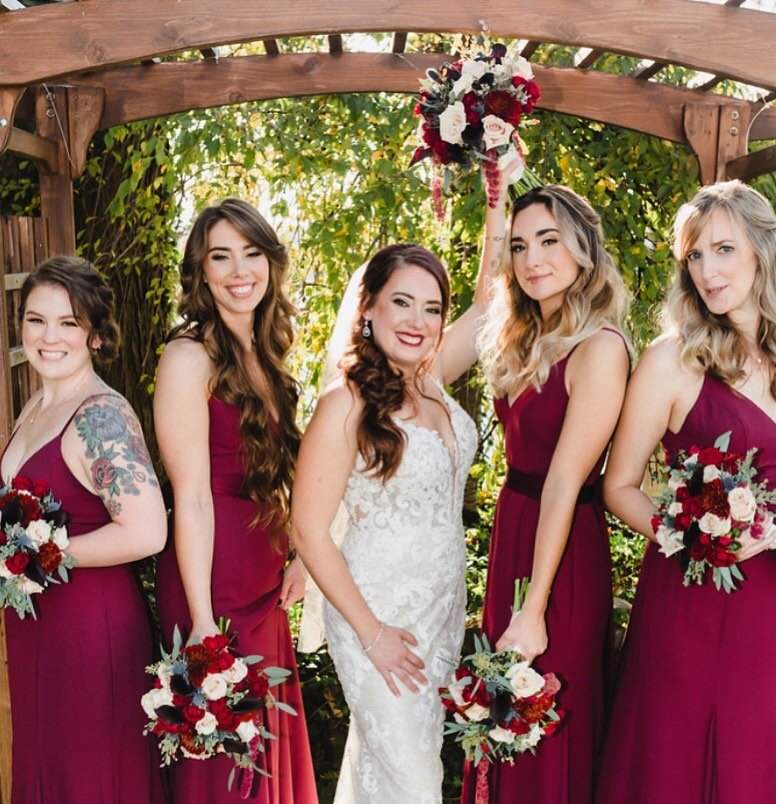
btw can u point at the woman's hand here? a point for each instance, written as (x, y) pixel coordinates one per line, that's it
(751, 547)
(391, 656)
(294, 583)
(526, 633)
(201, 629)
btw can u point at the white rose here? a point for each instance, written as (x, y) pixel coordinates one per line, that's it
(463, 84)
(675, 483)
(164, 674)
(497, 131)
(39, 531)
(502, 735)
(452, 122)
(247, 730)
(476, 712)
(522, 67)
(524, 679)
(236, 672)
(674, 509)
(670, 541)
(4, 571)
(214, 686)
(206, 724)
(710, 473)
(29, 586)
(476, 69)
(533, 736)
(155, 698)
(743, 505)
(59, 537)
(714, 525)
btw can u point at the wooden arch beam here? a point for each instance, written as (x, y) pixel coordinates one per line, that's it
(92, 34)
(140, 92)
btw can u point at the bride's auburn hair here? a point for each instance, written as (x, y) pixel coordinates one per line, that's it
(269, 455)
(365, 367)
(517, 346)
(709, 342)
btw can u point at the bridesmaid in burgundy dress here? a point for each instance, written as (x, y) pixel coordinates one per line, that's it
(225, 410)
(694, 719)
(77, 672)
(558, 365)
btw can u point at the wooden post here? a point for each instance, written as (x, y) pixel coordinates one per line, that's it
(701, 126)
(56, 189)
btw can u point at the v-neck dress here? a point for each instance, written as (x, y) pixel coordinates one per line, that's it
(694, 718)
(77, 672)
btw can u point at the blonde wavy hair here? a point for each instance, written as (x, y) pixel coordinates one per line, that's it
(517, 346)
(709, 342)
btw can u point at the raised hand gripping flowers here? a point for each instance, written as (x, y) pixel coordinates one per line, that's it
(710, 499)
(207, 701)
(470, 110)
(33, 536)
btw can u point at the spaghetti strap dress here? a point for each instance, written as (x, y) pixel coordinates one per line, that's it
(245, 585)
(77, 672)
(694, 717)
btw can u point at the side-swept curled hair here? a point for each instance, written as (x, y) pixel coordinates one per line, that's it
(269, 456)
(381, 387)
(517, 346)
(90, 297)
(711, 342)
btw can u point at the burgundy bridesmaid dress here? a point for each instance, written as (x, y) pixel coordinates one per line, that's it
(579, 610)
(246, 578)
(694, 718)
(78, 671)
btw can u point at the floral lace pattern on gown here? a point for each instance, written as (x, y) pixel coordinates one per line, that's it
(405, 549)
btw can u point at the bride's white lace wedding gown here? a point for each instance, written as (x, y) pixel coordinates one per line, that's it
(405, 548)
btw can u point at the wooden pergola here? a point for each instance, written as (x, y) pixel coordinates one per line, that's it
(69, 69)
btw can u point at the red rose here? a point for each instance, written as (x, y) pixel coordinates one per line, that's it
(192, 713)
(49, 557)
(656, 522)
(720, 556)
(710, 456)
(215, 643)
(180, 701)
(433, 139)
(693, 507)
(682, 521)
(103, 473)
(226, 719)
(40, 488)
(21, 483)
(682, 494)
(701, 549)
(17, 563)
(553, 725)
(530, 89)
(258, 685)
(503, 105)
(471, 104)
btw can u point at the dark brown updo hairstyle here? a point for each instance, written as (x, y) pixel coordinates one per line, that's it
(383, 388)
(270, 453)
(90, 297)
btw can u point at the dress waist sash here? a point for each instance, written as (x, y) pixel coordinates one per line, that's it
(531, 486)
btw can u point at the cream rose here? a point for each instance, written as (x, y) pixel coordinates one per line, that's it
(206, 724)
(247, 730)
(214, 686)
(476, 712)
(463, 84)
(522, 67)
(164, 674)
(39, 532)
(533, 736)
(452, 122)
(155, 698)
(676, 483)
(743, 505)
(236, 672)
(502, 735)
(524, 679)
(710, 473)
(670, 541)
(476, 69)
(496, 131)
(714, 525)
(59, 537)
(29, 586)
(674, 509)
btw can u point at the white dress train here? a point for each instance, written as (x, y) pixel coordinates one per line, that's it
(405, 548)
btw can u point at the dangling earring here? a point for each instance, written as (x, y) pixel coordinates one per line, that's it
(366, 332)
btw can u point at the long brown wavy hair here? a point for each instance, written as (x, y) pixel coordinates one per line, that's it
(711, 342)
(269, 455)
(383, 388)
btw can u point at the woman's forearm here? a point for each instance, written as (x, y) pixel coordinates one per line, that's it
(632, 506)
(194, 540)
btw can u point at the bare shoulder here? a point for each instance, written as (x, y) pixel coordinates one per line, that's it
(663, 359)
(186, 355)
(602, 356)
(340, 401)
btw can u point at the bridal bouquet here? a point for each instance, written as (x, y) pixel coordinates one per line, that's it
(710, 499)
(469, 111)
(207, 701)
(501, 707)
(33, 536)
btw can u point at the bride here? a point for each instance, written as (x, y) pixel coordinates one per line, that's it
(388, 441)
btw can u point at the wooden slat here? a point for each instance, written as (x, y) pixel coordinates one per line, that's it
(16, 356)
(43, 151)
(208, 53)
(172, 87)
(649, 70)
(271, 47)
(763, 124)
(752, 165)
(14, 281)
(588, 61)
(335, 43)
(399, 42)
(86, 36)
(710, 84)
(529, 49)
(9, 103)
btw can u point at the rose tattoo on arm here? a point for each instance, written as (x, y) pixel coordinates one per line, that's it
(115, 447)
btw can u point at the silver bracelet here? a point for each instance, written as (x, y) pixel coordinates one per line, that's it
(374, 642)
(496, 238)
